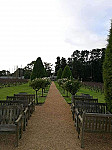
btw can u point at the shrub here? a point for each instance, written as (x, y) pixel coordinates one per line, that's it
(72, 86)
(39, 83)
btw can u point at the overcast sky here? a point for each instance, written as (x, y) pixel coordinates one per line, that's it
(50, 28)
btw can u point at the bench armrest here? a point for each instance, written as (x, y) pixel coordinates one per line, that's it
(19, 118)
(76, 111)
(108, 112)
(30, 104)
(26, 110)
(33, 100)
(80, 118)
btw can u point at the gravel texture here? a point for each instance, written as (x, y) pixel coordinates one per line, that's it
(51, 128)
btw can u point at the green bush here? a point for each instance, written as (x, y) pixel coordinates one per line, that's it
(72, 86)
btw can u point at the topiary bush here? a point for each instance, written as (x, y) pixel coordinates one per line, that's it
(39, 83)
(72, 86)
(38, 69)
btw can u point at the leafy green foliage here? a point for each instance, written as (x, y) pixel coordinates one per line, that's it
(72, 86)
(48, 69)
(80, 91)
(84, 65)
(67, 72)
(107, 72)
(38, 83)
(28, 70)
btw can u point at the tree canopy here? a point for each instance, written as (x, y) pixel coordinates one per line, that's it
(85, 65)
(59, 74)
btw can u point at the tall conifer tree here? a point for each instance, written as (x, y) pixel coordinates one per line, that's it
(107, 72)
(38, 69)
(67, 72)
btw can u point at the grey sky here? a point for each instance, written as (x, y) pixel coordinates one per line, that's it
(50, 28)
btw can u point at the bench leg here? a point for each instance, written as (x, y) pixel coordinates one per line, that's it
(82, 138)
(17, 138)
(20, 131)
(73, 116)
(24, 124)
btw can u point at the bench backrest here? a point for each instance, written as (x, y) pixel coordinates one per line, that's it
(30, 97)
(84, 96)
(81, 100)
(22, 100)
(22, 93)
(94, 122)
(10, 102)
(8, 114)
(91, 107)
(86, 99)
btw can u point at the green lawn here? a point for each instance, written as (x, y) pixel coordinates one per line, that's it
(82, 90)
(10, 91)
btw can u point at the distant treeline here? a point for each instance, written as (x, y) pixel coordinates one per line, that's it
(85, 65)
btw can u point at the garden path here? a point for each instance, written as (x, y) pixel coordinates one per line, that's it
(51, 128)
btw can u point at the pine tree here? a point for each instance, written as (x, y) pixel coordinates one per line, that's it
(38, 69)
(66, 72)
(107, 72)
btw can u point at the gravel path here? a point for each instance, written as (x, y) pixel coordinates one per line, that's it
(51, 128)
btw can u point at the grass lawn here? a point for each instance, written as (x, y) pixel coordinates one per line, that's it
(82, 90)
(10, 91)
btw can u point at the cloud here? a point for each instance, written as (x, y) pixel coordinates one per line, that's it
(47, 29)
(91, 23)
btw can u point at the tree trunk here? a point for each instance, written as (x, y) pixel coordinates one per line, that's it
(42, 92)
(36, 97)
(73, 99)
(67, 93)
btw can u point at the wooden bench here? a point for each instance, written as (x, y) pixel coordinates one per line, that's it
(22, 100)
(16, 103)
(30, 97)
(94, 123)
(26, 108)
(73, 105)
(89, 108)
(11, 121)
(84, 96)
